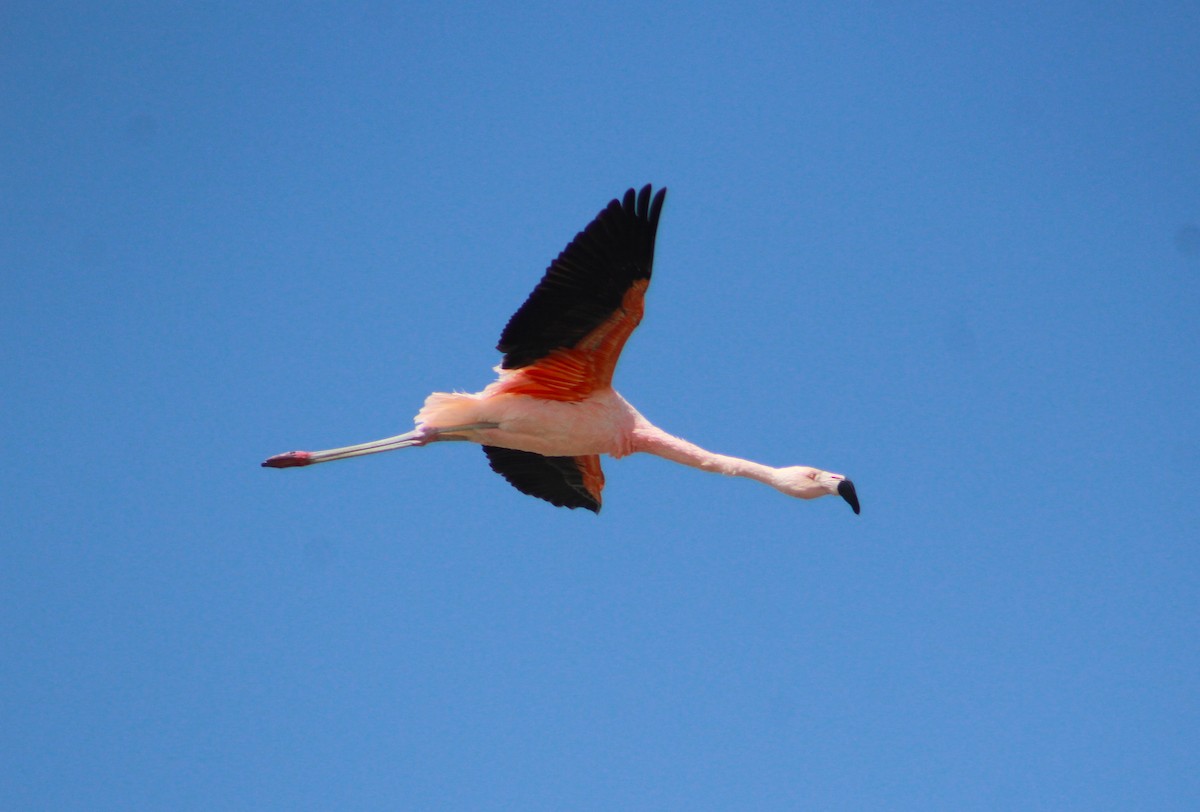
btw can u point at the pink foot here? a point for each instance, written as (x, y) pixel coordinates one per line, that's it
(292, 459)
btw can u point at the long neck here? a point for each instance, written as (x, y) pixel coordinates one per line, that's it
(653, 440)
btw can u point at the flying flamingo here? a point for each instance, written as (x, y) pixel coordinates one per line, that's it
(551, 413)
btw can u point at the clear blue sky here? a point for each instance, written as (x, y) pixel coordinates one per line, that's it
(951, 251)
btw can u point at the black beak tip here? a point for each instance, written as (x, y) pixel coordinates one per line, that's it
(847, 492)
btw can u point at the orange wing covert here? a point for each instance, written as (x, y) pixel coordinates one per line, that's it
(590, 298)
(571, 374)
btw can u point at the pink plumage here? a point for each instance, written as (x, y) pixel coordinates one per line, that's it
(552, 411)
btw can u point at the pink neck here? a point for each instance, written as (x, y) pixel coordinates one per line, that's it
(651, 439)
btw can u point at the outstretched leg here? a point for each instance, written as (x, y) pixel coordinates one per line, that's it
(422, 435)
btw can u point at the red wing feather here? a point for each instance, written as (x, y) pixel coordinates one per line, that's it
(590, 298)
(574, 373)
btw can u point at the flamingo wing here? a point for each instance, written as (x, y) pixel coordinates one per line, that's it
(571, 482)
(570, 331)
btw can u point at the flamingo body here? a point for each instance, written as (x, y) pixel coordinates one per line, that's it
(600, 423)
(552, 411)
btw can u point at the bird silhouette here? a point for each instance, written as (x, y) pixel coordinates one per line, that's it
(552, 411)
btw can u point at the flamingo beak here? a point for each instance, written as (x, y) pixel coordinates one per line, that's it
(846, 491)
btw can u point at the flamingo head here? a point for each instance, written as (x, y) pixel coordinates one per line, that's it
(809, 483)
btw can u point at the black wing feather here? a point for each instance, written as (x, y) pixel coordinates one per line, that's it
(588, 280)
(558, 480)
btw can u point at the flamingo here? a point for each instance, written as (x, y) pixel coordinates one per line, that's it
(552, 411)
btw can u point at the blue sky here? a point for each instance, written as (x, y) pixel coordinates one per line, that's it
(951, 251)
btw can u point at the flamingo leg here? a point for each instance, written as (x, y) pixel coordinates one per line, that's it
(451, 432)
(422, 435)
